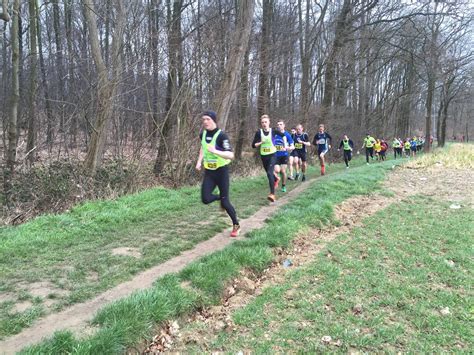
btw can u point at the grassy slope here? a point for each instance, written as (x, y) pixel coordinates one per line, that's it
(382, 289)
(72, 251)
(124, 323)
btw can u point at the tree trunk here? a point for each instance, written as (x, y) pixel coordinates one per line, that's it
(59, 62)
(330, 74)
(262, 100)
(33, 57)
(174, 81)
(236, 59)
(15, 98)
(105, 88)
(71, 79)
(154, 38)
(243, 105)
(44, 82)
(431, 74)
(443, 123)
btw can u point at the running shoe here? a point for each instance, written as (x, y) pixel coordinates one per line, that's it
(291, 178)
(283, 189)
(235, 231)
(303, 178)
(297, 176)
(277, 180)
(271, 198)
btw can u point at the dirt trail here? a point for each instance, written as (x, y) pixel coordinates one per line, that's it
(77, 317)
(437, 181)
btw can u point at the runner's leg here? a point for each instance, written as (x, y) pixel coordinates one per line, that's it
(208, 185)
(268, 162)
(222, 180)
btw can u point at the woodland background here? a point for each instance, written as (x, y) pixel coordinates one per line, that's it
(102, 98)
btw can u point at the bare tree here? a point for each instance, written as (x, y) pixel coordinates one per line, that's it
(106, 87)
(15, 98)
(33, 56)
(227, 92)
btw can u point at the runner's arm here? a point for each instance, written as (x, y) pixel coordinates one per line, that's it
(222, 148)
(306, 140)
(222, 154)
(257, 140)
(199, 162)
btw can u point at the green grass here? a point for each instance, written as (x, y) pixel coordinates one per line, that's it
(72, 251)
(123, 324)
(396, 268)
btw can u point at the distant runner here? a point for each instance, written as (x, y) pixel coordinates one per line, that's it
(397, 148)
(377, 149)
(284, 145)
(413, 147)
(301, 140)
(215, 154)
(406, 146)
(369, 142)
(264, 141)
(322, 140)
(383, 149)
(347, 145)
(294, 160)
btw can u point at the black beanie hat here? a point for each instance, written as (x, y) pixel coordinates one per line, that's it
(211, 114)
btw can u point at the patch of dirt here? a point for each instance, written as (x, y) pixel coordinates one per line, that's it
(44, 288)
(92, 276)
(21, 306)
(126, 251)
(7, 297)
(436, 181)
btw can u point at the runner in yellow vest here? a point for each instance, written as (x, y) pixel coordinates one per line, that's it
(215, 155)
(406, 145)
(377, 148)
(347, 145)
(264, 142)
(397, 147)
(369, 142)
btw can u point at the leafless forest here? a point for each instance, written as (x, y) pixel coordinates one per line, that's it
(94, 91)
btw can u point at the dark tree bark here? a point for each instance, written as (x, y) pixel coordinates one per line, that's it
(33, 57)
(263, 95)
(15, 98)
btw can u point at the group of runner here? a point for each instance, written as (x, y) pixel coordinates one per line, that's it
(277, 149)
(377, 148)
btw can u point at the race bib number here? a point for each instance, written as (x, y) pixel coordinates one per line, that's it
(211, 165)
(298, 145)
(266, 150)
(321, 141)
(280, 148)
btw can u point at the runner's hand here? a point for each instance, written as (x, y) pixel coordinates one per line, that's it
(198, 166)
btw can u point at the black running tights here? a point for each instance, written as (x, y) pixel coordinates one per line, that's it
(219, 178)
